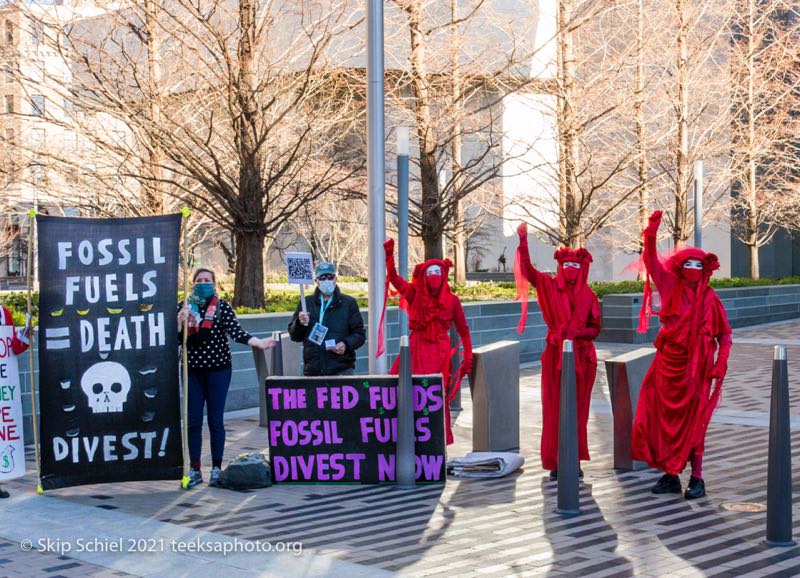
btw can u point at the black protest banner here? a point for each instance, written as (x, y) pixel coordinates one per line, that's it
(108, 354)
(344, 429)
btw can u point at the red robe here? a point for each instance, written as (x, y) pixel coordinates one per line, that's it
(570, 311)
(677, 398)
(19, 343)
(429, 319)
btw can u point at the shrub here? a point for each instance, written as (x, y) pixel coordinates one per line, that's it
(278, 301)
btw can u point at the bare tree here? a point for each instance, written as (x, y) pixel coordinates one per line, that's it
(237, 109)
(766, 95)
(463, 60)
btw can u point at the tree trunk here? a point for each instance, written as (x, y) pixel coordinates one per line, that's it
(751, 192)
(432, 221)
(568, 150)
(680, 230)
(250, 230)
(459, 240)
(644, 195)
(249, 269)
(154, 196)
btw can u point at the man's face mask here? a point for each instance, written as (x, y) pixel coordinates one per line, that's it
(692, 270)
(571, 270)
(434, 278)
(327, 284)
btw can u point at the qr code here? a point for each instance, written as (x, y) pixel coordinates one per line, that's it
(299, 268)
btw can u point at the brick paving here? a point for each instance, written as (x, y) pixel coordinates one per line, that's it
(504, 527)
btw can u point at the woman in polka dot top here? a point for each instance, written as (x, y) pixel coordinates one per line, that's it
(211, 323)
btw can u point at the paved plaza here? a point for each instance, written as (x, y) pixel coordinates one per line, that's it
(505, 527)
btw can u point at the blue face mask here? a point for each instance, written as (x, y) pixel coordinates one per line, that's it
(327, 287)
(204, 290)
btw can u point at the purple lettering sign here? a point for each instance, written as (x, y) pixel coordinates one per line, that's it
(344, 429)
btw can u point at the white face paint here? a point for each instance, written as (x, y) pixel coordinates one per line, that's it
(433, 270)
(693, 264)
(572, 264)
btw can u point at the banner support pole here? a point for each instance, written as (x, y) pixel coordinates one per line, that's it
(184, 354)
(34, 404)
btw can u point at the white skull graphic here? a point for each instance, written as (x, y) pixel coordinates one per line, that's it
(106, 385)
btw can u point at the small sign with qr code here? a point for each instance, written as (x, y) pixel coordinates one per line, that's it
(300, 268)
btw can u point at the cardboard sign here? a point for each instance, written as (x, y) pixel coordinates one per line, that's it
(108, 350)
(344, 429)
(300, 268)
(12, 445)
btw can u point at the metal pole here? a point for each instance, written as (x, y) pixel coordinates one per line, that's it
(402, 213)
(698, 204)
(455, 365)
(375, 176)
(568, 463)
(405, 467)
(779, 474)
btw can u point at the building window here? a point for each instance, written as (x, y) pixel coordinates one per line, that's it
(37, 33)
(37, 139)
(38, 174)
(10, 135)
(8, 104)
(9, 32)
(37, 105)
(8, 75)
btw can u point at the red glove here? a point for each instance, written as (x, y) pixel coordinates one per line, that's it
(466, 366)
(388, 247)
(654, 223)
(568, 333)
(522, 232)
(720, 368)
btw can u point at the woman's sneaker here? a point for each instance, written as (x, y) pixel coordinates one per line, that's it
(668, 484)
(214, 479)
(696, 489)
(195, 478)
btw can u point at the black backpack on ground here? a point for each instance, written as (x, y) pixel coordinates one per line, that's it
(247, 472)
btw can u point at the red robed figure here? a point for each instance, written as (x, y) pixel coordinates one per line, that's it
(432, 308)
(571, 311)
(683, 385)
(20, 342)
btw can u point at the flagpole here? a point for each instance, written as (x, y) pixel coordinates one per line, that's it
(33, 380)
(184, 354)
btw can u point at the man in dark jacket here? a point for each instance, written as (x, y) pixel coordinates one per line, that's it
(331, 330)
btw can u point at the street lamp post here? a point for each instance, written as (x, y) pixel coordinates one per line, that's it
(402, 213)
(698, 204)
(375, 176)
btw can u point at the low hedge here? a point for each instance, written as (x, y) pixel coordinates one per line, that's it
(278, 301)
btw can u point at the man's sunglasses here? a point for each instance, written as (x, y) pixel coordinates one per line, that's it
(326, 277)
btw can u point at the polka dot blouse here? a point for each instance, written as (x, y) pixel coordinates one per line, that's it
(211, 351)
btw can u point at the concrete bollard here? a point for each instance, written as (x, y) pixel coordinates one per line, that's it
(276, 355)
(625, 376)
(262, 373)
(779, 474)
(568, 462)
(405, 468)
(291, 356)
(494, 388)
(267, 363)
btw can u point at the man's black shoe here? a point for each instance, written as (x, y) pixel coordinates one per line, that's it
(554, 474)
(3, 493)
(696, 489)
(668, 484)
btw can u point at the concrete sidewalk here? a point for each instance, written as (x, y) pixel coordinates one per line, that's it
(504, 527)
